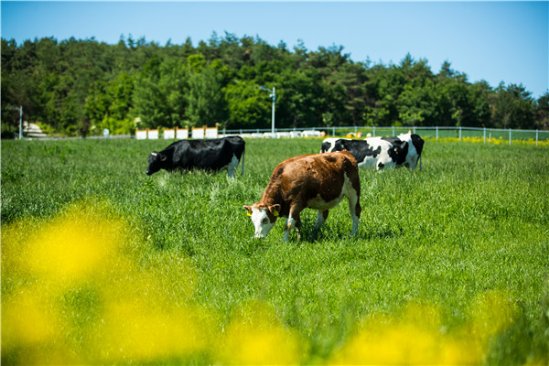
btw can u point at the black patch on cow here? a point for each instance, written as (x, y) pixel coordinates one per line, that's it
(398, 150)
(359, 148)
(325, 147)
(418, 144)
(213, 155)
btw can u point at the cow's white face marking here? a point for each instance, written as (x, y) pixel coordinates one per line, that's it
(261, 221)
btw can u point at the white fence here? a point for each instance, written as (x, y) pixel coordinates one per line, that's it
(177, 133)
(460, 133)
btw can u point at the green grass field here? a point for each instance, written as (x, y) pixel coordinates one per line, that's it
(102, 264)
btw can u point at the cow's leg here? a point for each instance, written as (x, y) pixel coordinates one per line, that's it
(354, 209)
(294, 221)
(232, 166)
(320, 218)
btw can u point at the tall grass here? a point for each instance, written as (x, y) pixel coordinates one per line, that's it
(103, 264)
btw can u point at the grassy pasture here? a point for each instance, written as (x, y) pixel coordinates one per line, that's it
(451, 263)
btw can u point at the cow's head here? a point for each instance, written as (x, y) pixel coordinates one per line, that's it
(156, 162)
(263, 217)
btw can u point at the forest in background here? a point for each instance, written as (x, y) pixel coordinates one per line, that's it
(80, 87)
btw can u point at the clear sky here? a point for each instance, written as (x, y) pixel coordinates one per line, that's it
(493, 41)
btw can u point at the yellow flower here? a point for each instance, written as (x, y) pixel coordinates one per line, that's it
(256, 337)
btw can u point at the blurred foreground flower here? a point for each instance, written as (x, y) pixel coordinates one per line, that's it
(82, 288)
(417, 336)
(256, 337)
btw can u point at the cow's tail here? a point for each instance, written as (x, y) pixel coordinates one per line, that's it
(420, 164)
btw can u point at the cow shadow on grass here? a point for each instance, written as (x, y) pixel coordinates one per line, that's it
(336, 231)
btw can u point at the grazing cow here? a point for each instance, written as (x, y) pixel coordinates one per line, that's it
(414, 148)
(214, 154)
(378, 152)
(309, 181)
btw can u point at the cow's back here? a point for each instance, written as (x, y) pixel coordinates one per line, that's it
(237, 145)
(328, 144)
(202, 154)
(307, 177)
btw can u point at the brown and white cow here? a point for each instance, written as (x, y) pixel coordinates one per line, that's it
(317, 181)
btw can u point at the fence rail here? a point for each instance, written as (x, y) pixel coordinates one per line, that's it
(461, 133)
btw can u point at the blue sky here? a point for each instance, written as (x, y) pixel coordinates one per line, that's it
(493, 41)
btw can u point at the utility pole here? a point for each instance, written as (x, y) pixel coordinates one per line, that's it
(273, 98)
(20, 122)
(20, 109)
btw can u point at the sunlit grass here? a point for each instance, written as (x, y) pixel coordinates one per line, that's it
(103, 265)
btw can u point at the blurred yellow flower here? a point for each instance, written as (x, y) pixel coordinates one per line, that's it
(28, 319)
(138, 307)
(417, 336)
(69, 250)
(256, 337)
(136, 331)
(82, 288)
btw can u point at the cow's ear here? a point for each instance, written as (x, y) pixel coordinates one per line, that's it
(275, 210)
(163, 157)
(248, 210)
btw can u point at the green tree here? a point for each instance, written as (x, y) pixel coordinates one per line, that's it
(205, 98)
(81, 86)
(513, 107)
(479, 97)
(247, 104)
(542, 112)
(385, 84)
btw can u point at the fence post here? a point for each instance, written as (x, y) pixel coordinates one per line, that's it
(394, 133)
(459, 133)
(484, 134)
(510, 136)
(537, 137)
(436, 133)
(374, 131)
(333, 131)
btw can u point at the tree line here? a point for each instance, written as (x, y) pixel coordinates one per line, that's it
(80, 87)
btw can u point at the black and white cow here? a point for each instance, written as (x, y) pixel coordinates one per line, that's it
(414, 149)
(380, 152)
(213, 155)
